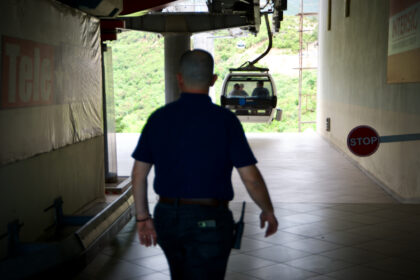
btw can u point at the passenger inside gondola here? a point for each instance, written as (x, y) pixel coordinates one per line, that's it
(260, 91)
(238, 91)
(241, 88)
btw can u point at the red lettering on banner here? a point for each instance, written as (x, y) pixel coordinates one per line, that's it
(27, 73)
(405, 23)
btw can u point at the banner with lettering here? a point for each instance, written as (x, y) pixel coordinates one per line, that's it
(404, 42)
(51, 78)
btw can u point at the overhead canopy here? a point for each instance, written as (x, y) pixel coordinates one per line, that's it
(113, 8)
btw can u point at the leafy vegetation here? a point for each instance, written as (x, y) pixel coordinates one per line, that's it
(138, 62)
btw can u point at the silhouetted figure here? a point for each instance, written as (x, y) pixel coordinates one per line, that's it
(237, 91)
(260, 91)
(194, 145)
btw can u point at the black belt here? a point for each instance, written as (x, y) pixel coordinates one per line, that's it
(194, 201)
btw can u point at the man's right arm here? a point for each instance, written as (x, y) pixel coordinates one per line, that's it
(255, 185)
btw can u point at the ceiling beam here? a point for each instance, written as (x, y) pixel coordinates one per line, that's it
(133, 6)
(185, 22)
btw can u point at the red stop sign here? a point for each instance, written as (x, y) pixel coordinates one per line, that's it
(363, 141)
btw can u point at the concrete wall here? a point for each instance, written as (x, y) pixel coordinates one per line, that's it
(353, 91)
(75, 172)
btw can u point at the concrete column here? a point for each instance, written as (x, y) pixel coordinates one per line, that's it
(175, 45)
(205, 41)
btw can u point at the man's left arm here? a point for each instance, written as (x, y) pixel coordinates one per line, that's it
(145, 227)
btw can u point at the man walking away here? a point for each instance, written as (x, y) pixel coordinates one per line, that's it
(194, 145)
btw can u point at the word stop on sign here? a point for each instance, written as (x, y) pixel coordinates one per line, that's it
(363, 141)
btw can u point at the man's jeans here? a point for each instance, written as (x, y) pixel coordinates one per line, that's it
(195, 239)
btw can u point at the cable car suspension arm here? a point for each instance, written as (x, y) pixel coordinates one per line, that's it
(270, 42)
(250, 65)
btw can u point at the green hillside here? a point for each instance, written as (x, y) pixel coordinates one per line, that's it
(138, 64)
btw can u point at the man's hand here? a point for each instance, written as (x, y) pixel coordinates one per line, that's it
(272, 223)
(254, 183)
(145, 227)
(147, 233)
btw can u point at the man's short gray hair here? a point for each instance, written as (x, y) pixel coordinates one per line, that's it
(196, 68)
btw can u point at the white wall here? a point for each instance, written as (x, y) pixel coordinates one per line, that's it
(353, 91)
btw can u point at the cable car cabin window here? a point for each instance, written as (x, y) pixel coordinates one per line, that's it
(253, 87)
(252, 97)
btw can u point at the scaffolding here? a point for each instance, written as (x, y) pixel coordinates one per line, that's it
(301, 15)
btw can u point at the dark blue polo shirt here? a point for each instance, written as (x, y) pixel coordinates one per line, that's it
(194, 145)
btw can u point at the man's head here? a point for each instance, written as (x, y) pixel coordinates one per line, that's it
(196, 71)
(260, 84)
(236, 87)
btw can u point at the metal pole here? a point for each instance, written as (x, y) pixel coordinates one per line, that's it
(106, 162)
(270, 41)
(300, 65)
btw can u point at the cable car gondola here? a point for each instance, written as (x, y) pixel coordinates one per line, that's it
(251, 96)
(250, 91)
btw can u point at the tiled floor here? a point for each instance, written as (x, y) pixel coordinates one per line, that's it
(331, 242)
(334, 223)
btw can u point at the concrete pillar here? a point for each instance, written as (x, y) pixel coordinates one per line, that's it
(205, 41)
(175, 45)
